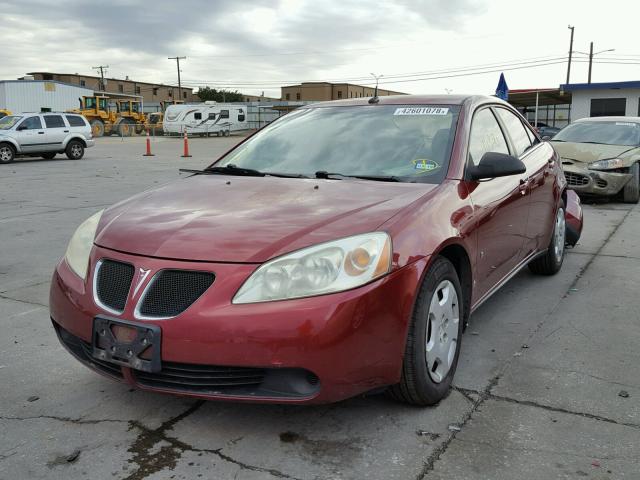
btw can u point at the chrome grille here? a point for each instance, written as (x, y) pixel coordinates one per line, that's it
(112, 283)
(171, 292)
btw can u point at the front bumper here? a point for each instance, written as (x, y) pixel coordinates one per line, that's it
(341, 344)
(90, 142)
(594, 182)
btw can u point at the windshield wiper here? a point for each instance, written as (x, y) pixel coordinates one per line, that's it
(231, 169)
(340, 176)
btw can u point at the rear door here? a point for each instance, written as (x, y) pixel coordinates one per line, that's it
(31, 135)
(56, 132)
(501, 206)
(539, 160)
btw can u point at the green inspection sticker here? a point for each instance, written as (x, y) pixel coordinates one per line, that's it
(425, 165)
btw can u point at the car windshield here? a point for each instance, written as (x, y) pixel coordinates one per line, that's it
(608, 133)
(409, 143)
(9, 121)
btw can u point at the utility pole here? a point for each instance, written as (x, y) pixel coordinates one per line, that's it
(570, 53)
(102, 69)
(177, 59)
(590, 61)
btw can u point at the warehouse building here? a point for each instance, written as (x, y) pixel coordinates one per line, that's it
(602, 99)
(325, 91)
(150, 92)
(39, 96)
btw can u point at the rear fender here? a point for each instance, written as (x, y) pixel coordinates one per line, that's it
(573, 217)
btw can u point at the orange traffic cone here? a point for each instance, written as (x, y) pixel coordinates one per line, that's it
(186, 145)
(148, 154)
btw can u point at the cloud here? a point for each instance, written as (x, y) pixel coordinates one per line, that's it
(222, 40)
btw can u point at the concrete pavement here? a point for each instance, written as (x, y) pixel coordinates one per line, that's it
(548, 384)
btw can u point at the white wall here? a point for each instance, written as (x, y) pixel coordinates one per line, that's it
(33, 96)
(581, 101)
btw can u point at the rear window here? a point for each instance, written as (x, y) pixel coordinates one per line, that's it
(54, 121)
(76, 121)
(197, 116)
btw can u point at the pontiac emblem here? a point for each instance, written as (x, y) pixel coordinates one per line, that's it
(140, 278)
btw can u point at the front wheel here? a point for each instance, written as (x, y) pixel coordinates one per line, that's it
(7, 153)
(551, 262)
(433, 341)
(631, 191)
(75, 150)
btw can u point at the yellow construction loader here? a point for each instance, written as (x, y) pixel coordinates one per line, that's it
(4, 113)
(96, 110)
(130, 118)
(156, 119)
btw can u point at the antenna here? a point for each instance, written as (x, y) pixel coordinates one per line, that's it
(375, 98)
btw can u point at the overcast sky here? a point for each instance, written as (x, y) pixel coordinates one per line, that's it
(257, 46)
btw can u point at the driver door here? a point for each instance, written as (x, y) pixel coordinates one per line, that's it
(500, 205)
(31, 135)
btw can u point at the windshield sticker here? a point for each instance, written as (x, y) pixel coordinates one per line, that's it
(421, 111)
(425, 165)
(626, 124)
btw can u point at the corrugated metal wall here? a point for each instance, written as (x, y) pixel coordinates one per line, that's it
(37, 96)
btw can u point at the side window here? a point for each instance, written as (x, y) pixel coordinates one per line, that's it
(516, 131)
(532, 136)
(54, 121)
(486, 136)
(197, 116)
(212, 116)
(75, 121)
(224, 113)
(32, 123)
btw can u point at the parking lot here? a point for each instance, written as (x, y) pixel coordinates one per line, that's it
(548, 384)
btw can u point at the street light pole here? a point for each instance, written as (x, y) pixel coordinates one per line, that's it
(591, 55)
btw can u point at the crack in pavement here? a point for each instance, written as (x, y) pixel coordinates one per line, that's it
(35, 304)
(167, 456)
(486, 392)
(77, 421)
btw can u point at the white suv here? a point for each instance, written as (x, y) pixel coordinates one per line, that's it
(44, 135)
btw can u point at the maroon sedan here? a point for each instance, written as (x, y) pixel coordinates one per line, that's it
(339, 250)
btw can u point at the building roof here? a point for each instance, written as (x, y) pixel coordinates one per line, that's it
(106, 78)
(526, 97)
(600, 86)
(47, 81)
(299, 85)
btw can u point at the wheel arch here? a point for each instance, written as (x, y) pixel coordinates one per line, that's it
(78, 138)
(457, 254)
(12, 143)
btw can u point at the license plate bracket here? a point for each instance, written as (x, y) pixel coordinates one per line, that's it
(138, 346)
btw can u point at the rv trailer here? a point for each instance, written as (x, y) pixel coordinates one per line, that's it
(208, 118)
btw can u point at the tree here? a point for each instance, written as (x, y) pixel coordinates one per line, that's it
(212, 94)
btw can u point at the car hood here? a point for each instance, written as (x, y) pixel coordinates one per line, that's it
(249, 219)
(590, 152)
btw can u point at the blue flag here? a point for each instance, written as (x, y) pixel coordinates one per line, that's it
(502, 91)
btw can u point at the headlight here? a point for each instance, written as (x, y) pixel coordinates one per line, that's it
(77, 255)
(608, 164)
(325, 268)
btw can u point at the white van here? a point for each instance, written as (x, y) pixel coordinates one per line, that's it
(208, 118)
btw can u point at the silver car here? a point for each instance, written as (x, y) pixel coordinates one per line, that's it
(44, 135)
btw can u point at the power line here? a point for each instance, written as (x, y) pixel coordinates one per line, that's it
(102, 69)
(177, 59)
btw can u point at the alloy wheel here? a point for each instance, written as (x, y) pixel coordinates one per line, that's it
(559, 234)
(5, 154)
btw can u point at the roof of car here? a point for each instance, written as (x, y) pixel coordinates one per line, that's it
(408, 100)
(610, 119)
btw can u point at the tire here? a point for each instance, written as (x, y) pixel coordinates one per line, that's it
(551, 262)
(631, 191)
(7, 153)
(48, 156)
(74, 150)
(425, 379)
(126, 128)
(97, 128)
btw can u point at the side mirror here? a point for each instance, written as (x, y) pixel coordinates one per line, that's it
(493, 164)
(21, 127)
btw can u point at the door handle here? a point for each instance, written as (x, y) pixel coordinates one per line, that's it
(66, 131)
(524, 184)
(40, 133)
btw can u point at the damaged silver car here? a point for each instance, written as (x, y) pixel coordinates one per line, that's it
(601, 156)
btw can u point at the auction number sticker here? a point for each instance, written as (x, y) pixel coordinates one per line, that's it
(421, 111)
